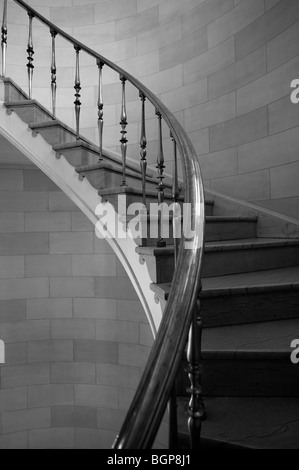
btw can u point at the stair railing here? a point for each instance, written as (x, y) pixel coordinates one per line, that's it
(182, 313)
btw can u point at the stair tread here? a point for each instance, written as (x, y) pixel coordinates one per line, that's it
(251, 242)
(224, 245)
(234, 284)
(265, 423)
(272, 339)
(50, 123)
(22, 103)
(129, 190)
(209, 218)
(131, 170)
(287, 278)
(107, 155)
(229, 218)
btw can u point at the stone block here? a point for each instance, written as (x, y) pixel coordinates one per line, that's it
(73, 373)
(50, 351)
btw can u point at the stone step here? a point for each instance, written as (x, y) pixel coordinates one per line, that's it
(246, 298)
(54, 132)
(134, 195)
(217, 229)
(257, 423)
(227, 257)
(10, 91)
(78, 152)
(207, 444)
(220, 228)
(248, 360)
(104, 175)
(29, 111)
(82, 154)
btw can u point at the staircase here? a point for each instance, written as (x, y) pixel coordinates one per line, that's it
(250, 301)
(249, 298)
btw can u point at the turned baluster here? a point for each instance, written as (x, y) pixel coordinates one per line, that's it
(53, 73)
(143, 145)
(160, 167)
(30, 52)
(77, 88)
(196, 408)
(100, 108)
(4, 38)
(123, 123)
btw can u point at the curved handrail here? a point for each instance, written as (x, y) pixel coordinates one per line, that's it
(148, 406)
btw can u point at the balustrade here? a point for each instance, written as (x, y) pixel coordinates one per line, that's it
(144, 417)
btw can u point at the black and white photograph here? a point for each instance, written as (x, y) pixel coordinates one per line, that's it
(149, 228)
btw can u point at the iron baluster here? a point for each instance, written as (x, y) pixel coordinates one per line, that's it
(53, 73)
(160, 167)
(100, 65)
(4, 38)
(123, 123)
(196, 407)
(30, 52)
(143, 145)
(77, 88)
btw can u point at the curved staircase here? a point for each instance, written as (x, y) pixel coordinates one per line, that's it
(250, 284)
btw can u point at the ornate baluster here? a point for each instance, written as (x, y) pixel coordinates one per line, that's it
(196, 408)
(4, 38)
(30, 52)
(123, 123)
(53, 73)
(160, 166)
(143, 152)
(77, 88)
(100, 108)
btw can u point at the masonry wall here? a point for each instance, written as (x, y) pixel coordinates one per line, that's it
(75, 333)
(223, 66)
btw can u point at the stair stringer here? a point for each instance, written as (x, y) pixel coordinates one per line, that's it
(86, 198)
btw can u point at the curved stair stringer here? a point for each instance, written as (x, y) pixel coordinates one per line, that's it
(86, 198)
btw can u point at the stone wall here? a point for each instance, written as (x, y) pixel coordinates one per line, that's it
(224, 67)
(75, 334)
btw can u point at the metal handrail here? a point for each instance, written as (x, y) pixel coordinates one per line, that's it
(149, 404)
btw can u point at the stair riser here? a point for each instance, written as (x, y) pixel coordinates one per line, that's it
(246, 378)
(250, 308)
(10, 93)
(222, 263)
(219, 231)
(31, 114)
(79, 157)
(249, 260)
(56, 135)
(136, 198)
(107, 178)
